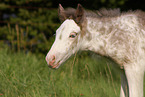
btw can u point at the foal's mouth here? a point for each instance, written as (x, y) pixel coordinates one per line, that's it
(54, 65)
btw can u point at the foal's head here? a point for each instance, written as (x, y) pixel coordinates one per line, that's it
(68, 36)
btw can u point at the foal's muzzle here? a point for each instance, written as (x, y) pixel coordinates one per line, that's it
(52, 62)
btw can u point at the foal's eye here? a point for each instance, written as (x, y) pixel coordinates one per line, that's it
(72, 35)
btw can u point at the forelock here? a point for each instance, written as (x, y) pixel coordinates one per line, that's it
(70, 13)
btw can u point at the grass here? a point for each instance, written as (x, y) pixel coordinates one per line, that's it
(27, 75)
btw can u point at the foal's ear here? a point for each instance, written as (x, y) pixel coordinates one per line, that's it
(61, 13)
(79, 14)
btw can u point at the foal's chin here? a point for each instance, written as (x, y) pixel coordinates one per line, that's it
(55, 66)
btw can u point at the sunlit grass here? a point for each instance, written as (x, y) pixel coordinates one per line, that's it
(26, 75)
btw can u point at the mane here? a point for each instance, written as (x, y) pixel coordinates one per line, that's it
(97, 13)
(139, 14)
(107, 13)
(70, 12)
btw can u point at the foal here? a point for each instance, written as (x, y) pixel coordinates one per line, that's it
(120, 36)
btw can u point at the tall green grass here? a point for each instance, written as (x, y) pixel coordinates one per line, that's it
(27, 75)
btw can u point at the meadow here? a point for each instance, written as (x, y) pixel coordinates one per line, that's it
(28, 75)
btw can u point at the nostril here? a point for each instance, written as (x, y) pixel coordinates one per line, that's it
(53, 58)
(50, 60)
(51, 63)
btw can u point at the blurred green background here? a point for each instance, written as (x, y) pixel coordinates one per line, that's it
(27, 29)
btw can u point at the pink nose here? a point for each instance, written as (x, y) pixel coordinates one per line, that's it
(51, 61)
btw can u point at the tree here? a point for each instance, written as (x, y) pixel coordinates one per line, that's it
(28, 24)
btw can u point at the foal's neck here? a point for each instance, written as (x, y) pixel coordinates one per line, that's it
(97, 33)
(114, 37)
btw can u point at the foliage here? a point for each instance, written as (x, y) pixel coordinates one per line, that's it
(27, 28)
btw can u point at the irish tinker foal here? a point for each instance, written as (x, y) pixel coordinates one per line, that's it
(120, 36)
